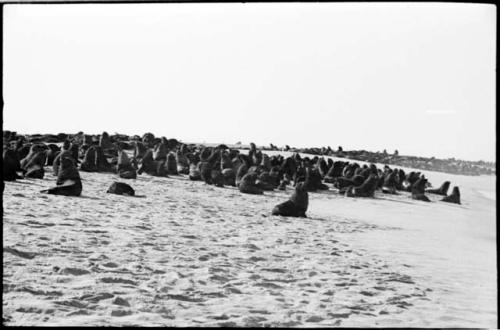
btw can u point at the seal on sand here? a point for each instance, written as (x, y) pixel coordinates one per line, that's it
(124, 166)
(443, 190)
(248, 185)
(454, 197)
(296, 206)
(68, 180)
(120, 188)
(10, 165)
(418, 190)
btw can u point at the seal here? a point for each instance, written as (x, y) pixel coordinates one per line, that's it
(194, 172)
(120, 188)
(160, 150)
(367, 189)
(68, 179)
(34, 167)
(102, 162)
(248, 185)
(140, 150)
(171, 164)
(182, 163)
(418, 190)
(51, 153)
(124, 166)
(390, 183)
(229, 177)
(443, 190)
(264, 182)
(296, 206)
(454, 197)
(312, 181)
(150, 166)
(89, 163)
(11, 165)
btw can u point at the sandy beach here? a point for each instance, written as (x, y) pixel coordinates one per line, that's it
(184, 253)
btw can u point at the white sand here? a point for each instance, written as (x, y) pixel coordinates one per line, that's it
(188, 254)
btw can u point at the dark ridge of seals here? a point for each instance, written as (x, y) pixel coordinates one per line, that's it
(11, 165)
(120, 188)
(89, 163)
(443, 190)
(124, 166)
(68, 180)
(229, 177)
(171, 164)
(248, 185)
(454, 197)
(296, 206)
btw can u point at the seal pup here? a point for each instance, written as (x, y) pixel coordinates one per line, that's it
(443, 190)
(68, 179)
(248, 185)
(296, 206)
(454, 197)
(120, 188)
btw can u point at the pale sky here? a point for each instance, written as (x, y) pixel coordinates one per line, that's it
(419, 78)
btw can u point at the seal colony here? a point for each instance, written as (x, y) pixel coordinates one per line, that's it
(252, 173)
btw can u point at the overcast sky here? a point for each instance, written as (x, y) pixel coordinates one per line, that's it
(419, 78)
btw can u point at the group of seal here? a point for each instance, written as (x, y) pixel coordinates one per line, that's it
(251, 173)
